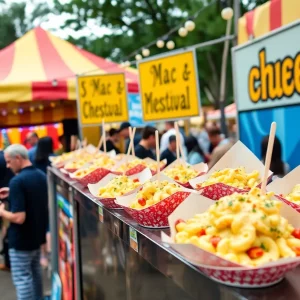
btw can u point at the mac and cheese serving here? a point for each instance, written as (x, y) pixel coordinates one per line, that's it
(294, 196)
(153, 192)
(181, 173)
(118, 186)
(234, 177)
(131, 164)
(244, 228)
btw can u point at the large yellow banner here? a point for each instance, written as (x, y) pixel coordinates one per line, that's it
(102, 97)
(169, 87)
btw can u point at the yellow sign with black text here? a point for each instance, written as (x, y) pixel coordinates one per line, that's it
(102, 97)
(169, 87)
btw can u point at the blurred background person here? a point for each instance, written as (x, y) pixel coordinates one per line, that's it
(112, 140)
(147, 144)
(61, 145)
(170, 153)
(32, 139)
(278, 167)
(195, 154)
(215, 138)
(124, 134)
(44, 150)
(170, 130)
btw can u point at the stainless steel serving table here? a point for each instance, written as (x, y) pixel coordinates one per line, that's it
(107, 266)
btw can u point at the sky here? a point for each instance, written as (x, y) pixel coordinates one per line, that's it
(55, 21)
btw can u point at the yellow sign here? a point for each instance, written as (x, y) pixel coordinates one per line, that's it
(102, 97)
(169, 87)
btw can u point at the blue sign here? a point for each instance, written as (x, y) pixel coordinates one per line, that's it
(135, 111)
(56, 287)
(255, 125)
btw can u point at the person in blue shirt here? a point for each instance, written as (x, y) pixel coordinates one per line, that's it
(28, 215)
(32, 139)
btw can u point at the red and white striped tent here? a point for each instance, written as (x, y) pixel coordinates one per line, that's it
(38, 70)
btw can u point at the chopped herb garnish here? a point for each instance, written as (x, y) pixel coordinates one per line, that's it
(254, 210)
(262, 246)
(230, 203)
(268, 205)
(263, 217)
(258, 195)
(242, 199)
(217, 203)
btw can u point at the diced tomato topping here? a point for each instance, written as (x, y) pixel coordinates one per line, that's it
(215, 241)
(142, 202)
(296, 233)
(201, 232)
(255, 252)
(136, 180)
(296, 250)
(176, 177)
(179, 221)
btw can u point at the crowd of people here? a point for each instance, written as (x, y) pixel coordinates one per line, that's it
(24, 199)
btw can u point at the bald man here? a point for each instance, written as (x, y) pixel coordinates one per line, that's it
(32, 139)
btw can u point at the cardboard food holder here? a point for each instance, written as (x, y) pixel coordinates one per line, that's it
(92, 177)
(238, 156)
(220, 269)
(138, 168)
(283, 186)
(110, 202)
(201, 168)
(155, 216)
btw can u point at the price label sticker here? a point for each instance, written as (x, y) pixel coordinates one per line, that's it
(133, 239)
(101, 215)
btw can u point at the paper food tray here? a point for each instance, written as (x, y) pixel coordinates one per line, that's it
(283, 186)
(110, 202)
(238, 156)
(155, 216)
(220, 269)
(136, 169)
(202, 168)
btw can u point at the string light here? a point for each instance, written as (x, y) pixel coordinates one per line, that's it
(182, 32)
(190, 25)
(14, 111)
(21, 110)
(127, 64)
(52, 104)
(146, 52)
(32, 109)
(138, 57)
(227, 13)
(41, 107)
(170, 45)
(4, 113)
(160, 44)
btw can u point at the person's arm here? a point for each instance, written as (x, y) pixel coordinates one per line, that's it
(17, 218)
(17, 212)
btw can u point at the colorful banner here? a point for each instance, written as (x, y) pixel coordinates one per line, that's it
(267, 89)
(102, 97)
(169, 87)
(268, 72)
(66, 248)
(18, 135)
